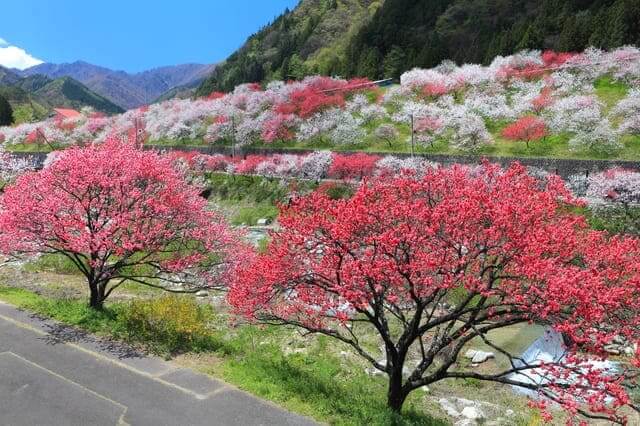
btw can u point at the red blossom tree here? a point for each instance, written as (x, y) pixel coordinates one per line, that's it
(435, 90)
(249, 164)
(552, 58)
(216, 95)
(543, 100)
(428, 264)
(119, 214)
(527, 129)
(352, 166)
(308, 101)
(278, 128)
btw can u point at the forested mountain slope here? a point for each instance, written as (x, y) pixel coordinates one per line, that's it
(379, 39)
(310, 39)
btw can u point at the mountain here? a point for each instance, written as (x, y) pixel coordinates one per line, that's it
(309, 39)
(124, 89)
(35, 96)
(69, 93)
(8, 77)
(380, 39)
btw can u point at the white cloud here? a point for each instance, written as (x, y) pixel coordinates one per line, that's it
(15, 57)
(3, 42)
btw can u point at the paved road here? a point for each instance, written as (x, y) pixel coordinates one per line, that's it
(52, 375)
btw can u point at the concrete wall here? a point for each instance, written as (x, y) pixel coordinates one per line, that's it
(562, 167)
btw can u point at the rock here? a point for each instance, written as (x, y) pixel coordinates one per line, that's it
(344, 354)
(263, 221)
(481, 356)
(619, 340)
(470, 353)
(448, 407)
(472, 413)
(425, 389)
(628, 351)
(509, 413)
(202, 293)
(373, 372)
(612, 349)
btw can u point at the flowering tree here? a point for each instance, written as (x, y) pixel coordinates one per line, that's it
(352, 166)
(428, 264)
(427, 129)
(387, 133)
(527, 129)
(119, 215)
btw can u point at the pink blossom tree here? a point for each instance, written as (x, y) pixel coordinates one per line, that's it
(430, 264)
(120, 215)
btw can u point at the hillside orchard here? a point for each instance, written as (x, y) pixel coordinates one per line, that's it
(461, 108)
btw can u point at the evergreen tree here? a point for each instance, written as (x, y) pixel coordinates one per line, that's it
(6, 112)
(394, 62)
(569, 38)
(297, 69)
(532, 39)
(368, 66)
(599, 36)
(617, 24)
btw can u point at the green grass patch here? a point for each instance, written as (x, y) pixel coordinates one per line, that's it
(69, 311)
(316, 384)
(610, 91)
(249, 215)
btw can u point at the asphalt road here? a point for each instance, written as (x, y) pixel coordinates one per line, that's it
(55, 376)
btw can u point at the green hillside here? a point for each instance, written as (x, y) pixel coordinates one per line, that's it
(69, 93)
(25, 107)
(310, 39)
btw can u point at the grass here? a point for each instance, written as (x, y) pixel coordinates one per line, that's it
(249, 215)
(52, 262)
(245, 199)
(610, 91)
(315, 384)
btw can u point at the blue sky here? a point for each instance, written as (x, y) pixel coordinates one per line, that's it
(131, 35)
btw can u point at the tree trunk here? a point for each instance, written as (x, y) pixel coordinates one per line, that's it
(396, 395)
(96, 295)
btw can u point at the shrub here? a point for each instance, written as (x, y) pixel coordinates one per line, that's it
(167, 324)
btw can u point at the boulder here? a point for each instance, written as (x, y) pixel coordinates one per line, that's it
(263, 221)
(448, 407)
(472, 413)
(612, 349)
(470, 353)
(373, 372)
(481, 356)
(202, 293)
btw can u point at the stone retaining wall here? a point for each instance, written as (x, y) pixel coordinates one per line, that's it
(561, 166)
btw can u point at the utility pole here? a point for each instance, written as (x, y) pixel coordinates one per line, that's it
(233, 136)
(412, 136)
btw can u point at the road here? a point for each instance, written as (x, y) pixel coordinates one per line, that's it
(53, 375)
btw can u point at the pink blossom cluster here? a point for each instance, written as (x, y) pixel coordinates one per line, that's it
(315, 166)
